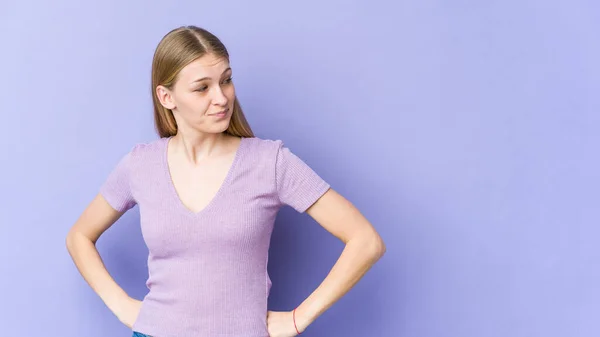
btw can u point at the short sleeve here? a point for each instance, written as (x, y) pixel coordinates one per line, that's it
(298, 185)
(116, 189)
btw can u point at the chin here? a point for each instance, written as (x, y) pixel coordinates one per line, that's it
(222, 127)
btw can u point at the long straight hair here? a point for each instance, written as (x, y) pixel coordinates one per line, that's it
(178, 48)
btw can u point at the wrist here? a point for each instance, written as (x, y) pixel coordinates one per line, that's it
(118, 303)
(302, 319)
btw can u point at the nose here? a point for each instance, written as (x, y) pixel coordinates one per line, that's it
(219, 97)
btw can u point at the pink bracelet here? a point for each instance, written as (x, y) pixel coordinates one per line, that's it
(294, 315)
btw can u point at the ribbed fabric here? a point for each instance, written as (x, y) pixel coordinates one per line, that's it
(207, 271)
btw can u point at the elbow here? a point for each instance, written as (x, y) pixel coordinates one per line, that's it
(379, 248)
(372, 245)
(73, 239)
(375, 244)
(70, 241)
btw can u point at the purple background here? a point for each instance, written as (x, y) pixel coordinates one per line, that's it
(466, 131)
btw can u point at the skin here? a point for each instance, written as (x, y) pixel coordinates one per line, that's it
(199, 154)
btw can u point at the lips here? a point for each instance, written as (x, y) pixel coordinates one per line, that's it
(220, 112)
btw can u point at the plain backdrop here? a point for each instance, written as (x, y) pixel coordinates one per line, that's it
(465, 131)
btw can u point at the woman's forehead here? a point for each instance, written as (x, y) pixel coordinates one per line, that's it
(206, 66)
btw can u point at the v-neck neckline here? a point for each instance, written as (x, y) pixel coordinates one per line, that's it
(215, 197)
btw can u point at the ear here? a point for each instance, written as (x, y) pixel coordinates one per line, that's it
(165, 97)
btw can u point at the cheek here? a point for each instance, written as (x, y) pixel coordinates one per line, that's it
(195, 104)
(229, 91)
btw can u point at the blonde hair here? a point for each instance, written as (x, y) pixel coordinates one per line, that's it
(178, 48)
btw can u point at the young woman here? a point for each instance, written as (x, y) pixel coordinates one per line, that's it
(208, 193)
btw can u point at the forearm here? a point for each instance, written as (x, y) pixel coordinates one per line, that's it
(356, 259)
(89, 263)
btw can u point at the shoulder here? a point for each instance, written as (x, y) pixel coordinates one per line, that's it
(264, 146)
(146, 152)
(149, 147)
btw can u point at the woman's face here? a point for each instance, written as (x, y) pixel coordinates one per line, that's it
(202, 96)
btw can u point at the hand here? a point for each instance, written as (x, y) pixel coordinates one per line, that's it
(128, 311)
(281, 324)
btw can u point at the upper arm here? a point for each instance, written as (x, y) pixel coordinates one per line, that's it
(342, 219)
(96, 218)
(115, 197)
(298, 185)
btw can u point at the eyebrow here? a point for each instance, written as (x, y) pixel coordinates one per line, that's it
(208, 78)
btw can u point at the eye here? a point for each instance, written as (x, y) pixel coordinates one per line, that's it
(202, 89)
(227, 81)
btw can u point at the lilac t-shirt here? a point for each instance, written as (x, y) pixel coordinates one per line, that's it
(208, 270)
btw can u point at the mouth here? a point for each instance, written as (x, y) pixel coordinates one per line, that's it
(221, 113)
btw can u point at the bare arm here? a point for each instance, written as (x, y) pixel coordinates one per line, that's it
(363, 248)
(81, 244)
